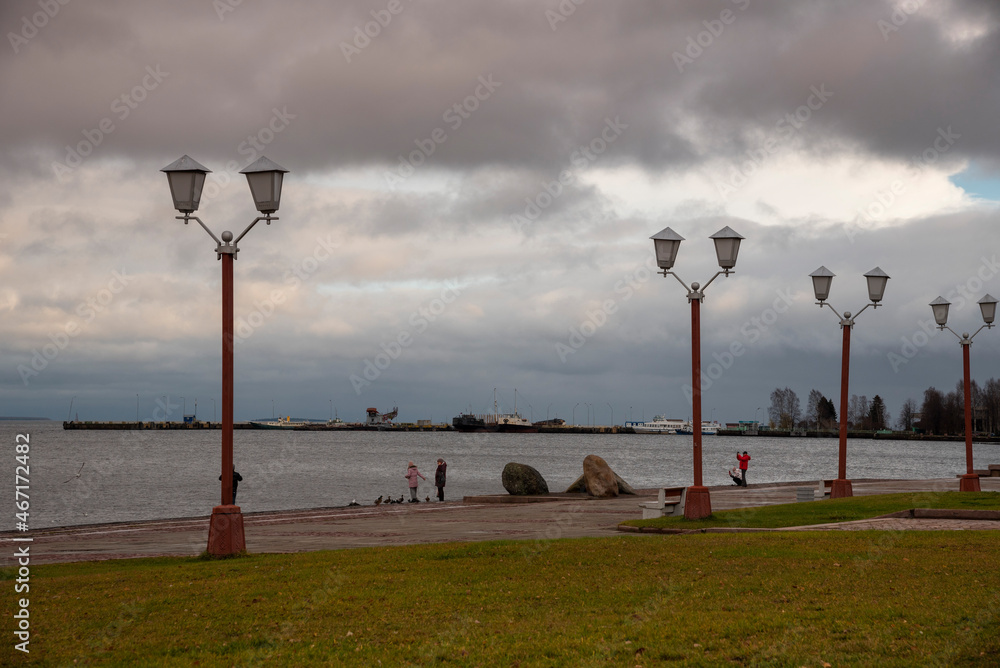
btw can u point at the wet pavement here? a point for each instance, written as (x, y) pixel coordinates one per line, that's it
(475, 519)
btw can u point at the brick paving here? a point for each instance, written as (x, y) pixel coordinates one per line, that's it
(405, 524)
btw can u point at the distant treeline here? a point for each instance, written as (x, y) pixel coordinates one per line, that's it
(940, 413)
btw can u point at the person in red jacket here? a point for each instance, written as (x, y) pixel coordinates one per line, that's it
(744, 463)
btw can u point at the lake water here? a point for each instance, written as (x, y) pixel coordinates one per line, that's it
(136, 475)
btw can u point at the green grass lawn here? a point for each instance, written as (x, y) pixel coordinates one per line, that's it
(829, 510)
(777, 599)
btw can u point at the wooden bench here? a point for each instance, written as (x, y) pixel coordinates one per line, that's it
(662, 507)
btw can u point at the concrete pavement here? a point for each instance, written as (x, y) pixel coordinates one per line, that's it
(480, 518)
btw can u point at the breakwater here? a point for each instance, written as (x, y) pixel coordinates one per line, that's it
(320, 426)
(201, 424)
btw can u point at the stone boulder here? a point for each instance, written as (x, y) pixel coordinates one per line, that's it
(599, 478)
(580, 484)
(522, 480)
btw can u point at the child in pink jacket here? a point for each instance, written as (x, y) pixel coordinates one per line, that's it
(412, 474)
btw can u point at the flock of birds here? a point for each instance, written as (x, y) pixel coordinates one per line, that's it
(385, 498)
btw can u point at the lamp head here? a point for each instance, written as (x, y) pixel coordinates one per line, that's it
(876, 284)
(666, 242)
(988, 305)
(264, 178)
(822, 280)
(727, 247)
(940, 308)
(186, 178)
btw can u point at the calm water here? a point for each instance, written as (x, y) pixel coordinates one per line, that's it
(132, 475)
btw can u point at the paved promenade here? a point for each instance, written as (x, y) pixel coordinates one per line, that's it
(405, 524)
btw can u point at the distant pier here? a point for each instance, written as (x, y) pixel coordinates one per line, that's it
(201, 424)
(321, 426)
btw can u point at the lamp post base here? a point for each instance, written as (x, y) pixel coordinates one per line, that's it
(225, 532)
(841, 488)
(697, 504)
(969, 483)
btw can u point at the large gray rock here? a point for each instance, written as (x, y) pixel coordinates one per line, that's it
(599, 478)
(579, 486)
(521, 480)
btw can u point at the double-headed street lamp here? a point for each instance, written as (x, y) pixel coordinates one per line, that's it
(186, 179)
(988, 305)
(727, 245)
(822, 280)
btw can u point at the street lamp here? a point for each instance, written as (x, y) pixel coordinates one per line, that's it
(186, 179)
(988, 305)
(666, 243)
(822, 279)
(574, 412)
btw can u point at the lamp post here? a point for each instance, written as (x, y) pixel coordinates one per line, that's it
(186, 179)
(612, 416)
(666, 242)
(574, 412)
(822, 279)
(988, 305)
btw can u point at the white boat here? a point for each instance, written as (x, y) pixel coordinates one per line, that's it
(659, 425)
(710, 428)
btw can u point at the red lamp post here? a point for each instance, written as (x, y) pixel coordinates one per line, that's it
(666, 242)
(186, 179)
(822, 280)
(988, 305)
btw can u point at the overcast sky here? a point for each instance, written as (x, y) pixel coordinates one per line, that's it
(471, 191)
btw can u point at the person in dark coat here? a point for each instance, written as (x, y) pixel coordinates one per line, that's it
(439, 478)
(236, 480)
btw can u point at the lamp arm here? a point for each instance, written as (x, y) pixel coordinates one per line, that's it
(670, 273)
(825, 303)
(981, 328)
(717, 274)
(268, 218)
(187, 217)
(943, 327)
(862, 310)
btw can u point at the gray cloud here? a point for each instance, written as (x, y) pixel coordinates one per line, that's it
(356, 255)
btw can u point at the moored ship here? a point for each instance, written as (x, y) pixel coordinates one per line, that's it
(659, 425)
(285, 423)
(494, 422)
